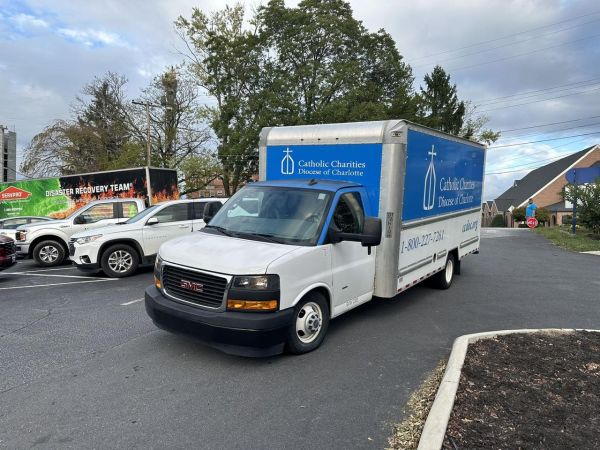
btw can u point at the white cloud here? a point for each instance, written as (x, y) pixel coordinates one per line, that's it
(92, 38)
(27, 21)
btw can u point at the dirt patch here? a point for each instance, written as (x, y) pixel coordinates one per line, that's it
(407, 434)
(529, 391)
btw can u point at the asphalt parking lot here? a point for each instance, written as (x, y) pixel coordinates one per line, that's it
(82, 366)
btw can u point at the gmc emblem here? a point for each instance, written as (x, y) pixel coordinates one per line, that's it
(191, 286)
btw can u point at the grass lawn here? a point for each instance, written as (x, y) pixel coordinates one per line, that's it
(583, 241)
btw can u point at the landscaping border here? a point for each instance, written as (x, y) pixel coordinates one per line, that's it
(434, 430)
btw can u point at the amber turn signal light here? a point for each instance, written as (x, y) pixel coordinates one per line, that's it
(252, 305)
(157, 283)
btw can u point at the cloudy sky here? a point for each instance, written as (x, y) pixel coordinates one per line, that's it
(530, 65)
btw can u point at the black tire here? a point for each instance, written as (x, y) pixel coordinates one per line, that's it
(119, 260)
(298, 340)
(443, 279)
(49, 253)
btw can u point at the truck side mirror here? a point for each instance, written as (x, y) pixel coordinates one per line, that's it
(371, 235)
(210, 209)
(152, 221)
(79, 220)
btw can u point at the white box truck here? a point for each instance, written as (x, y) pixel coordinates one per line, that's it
(343, 213)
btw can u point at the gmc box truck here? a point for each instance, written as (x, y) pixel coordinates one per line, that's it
(343, 213)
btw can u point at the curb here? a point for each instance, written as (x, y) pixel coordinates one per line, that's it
(434, 430)
(593, 252)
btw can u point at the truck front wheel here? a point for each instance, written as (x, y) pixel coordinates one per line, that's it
(311, 320)
(49, 253)
(119, 261)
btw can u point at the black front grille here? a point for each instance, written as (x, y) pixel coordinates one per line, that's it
(179, 282)
(71, 247)
(9, 248)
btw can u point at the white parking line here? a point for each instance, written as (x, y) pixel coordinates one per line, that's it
(48, 270)
(58, 284)
(50, 275)
(132, 302)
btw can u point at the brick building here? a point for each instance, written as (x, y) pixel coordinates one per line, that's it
(489, 210)
(545, 185)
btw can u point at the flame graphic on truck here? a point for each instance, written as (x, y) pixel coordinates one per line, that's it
(430, 182)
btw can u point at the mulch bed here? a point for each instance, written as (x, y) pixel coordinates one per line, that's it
(529, 391)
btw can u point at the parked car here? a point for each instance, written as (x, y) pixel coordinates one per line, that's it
(119, 250)
(8, 227)
(48, 242)
(8, 252)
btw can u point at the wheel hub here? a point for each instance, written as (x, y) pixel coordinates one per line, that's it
(309, 322)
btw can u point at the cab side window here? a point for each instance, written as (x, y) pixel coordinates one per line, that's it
(173, 213)
(130, 209)
(349, 215)
(98, 212)
(199, 210)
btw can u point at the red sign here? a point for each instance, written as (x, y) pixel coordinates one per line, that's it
(532, 222)
(13, 193)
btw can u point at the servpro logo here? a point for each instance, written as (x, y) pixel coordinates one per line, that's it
(13, 193)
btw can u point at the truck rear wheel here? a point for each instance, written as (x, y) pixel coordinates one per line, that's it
(49, 253)
(443, 279)
(119, 261)
(311, 320)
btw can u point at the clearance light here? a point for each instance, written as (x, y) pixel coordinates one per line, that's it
(252, 305)
(157, 283)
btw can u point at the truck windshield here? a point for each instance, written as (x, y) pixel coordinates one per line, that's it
(273, 214)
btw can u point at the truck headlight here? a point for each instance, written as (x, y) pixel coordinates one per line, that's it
(87, 239)
(259, 293)
(256, 282)
(157, 272)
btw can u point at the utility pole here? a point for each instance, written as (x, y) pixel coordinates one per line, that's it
(148, 105)
(2, 128)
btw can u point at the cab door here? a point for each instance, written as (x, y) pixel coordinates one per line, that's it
(353, 268)
(171, 221)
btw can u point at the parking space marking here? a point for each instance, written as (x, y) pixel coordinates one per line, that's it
(48, 270)
(132, 302)
(58, 284)
(50, 275)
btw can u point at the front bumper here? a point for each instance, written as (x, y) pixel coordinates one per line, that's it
(244, 334)
(23, 249)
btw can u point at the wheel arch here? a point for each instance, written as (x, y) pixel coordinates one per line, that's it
(321, 288)
(127, 241)
(48, 237)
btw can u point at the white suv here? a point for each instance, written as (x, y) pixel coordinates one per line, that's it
(120, 249)
(47, 242)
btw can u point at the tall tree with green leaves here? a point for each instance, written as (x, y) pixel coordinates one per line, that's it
(439, 106)
(325, 66)
(226, 57)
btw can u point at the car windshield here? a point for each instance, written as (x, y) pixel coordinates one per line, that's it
(274, 214)
(142, 214)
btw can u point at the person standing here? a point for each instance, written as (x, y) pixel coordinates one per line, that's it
(530, 209)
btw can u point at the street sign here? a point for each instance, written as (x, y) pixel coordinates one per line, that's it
(583, 175)
(532, 222)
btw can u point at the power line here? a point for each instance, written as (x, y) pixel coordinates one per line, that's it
(540, 100)
(542, 140)
(548, 124)
(503, 45)
(454, 69)
(538, 133)
(524, 95)
(510, 35)
(522, 167)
